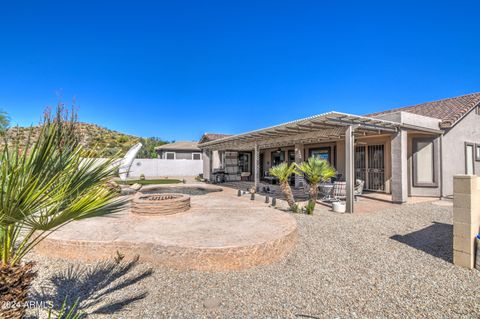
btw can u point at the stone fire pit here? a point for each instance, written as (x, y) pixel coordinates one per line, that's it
(160, 204)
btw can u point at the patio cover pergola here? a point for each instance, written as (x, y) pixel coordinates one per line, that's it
(327, 127)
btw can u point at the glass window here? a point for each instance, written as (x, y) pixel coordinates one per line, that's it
(469, 160)
(291, 156)
(477, 152)
(196, 156)
(244, 162)
(321, 153)
(278, 157)
(170, 155)
(424, 162)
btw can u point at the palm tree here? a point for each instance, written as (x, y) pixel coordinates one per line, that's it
(283, 172)
(314, 171)
(43, 186)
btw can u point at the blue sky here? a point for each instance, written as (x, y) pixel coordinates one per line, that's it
(177, 69)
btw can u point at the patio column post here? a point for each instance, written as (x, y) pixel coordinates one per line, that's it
(399, 186)
(256, 156)
(349, 167)
(207, 164)
(298, 160)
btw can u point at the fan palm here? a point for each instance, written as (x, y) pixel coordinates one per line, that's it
(314, 171)
(283, 172)
(43, 186)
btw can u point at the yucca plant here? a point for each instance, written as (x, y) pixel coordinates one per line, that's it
(314, 171)
(43, 186)
(283, 172)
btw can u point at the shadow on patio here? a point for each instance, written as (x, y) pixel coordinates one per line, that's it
(436, 240)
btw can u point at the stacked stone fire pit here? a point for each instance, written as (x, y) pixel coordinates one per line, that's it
(160, 204)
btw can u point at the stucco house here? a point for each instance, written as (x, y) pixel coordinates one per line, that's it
(409, 151)
(179, 150)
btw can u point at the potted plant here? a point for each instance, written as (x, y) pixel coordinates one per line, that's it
(339, 207)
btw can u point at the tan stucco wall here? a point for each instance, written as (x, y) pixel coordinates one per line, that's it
(467, 130)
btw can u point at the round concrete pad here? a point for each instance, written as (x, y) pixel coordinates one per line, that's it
(221, 231)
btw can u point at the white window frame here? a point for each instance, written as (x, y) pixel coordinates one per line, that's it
(198, 154)
(174, 155)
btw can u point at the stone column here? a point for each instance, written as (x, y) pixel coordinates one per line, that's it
(299, 182)
(256, 156)
(349, 168)
(399, 183)
(466, 219)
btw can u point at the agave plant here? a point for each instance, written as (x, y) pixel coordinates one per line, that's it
(283, 172)
(314, 172)
(43, 186)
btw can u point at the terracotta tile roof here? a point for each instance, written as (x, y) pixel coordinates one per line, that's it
(450, 110)
(208, 137)
(181, 146)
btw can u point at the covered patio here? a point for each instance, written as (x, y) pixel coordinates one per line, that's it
(371, 149)
(369, 202)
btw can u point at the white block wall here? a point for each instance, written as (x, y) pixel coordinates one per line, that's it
(162, 167)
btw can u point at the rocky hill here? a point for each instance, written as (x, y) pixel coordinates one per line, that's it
(100, 140)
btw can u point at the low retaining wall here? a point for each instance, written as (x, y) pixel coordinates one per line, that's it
(466, 219)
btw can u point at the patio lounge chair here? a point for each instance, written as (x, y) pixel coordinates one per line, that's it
(269, 179)
(340, 189)
(359, 184)
(358, 190)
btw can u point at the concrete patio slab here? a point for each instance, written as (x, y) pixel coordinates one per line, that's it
(220, 231)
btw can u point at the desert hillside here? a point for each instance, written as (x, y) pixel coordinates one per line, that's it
(100, 140)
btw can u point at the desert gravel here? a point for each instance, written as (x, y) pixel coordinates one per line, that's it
(390, 264)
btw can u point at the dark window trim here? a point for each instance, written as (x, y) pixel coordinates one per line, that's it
(174, 155)
(277, 152)
(415, 166)
(477, 152)
(473, 155)
(197, 153)
(250, 160)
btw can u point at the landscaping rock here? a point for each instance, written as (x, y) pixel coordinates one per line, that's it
(395, 263)
(136, 187)
(113, 186)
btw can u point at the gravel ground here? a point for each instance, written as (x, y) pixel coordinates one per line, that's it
(390, 264)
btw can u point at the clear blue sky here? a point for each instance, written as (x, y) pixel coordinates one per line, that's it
(177, 69)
